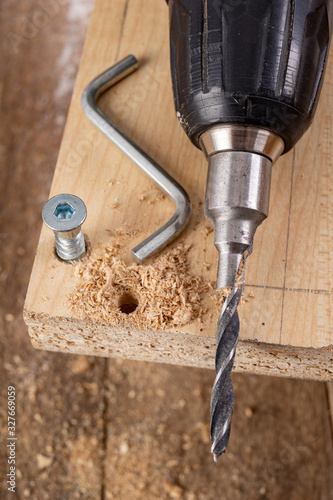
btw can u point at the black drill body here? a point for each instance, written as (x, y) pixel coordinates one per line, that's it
(249, 62)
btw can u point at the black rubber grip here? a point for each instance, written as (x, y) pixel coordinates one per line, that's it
(251, 62)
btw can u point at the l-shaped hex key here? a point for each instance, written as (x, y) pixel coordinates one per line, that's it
(171, 229)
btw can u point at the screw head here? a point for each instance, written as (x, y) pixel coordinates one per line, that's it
(64, 213)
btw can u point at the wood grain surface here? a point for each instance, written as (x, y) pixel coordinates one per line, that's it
(286, 327)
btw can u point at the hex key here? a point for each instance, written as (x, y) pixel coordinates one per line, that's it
(171, 229)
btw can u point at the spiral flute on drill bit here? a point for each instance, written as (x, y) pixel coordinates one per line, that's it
(222, 400)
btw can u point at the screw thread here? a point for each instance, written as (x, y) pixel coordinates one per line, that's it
(71, 249)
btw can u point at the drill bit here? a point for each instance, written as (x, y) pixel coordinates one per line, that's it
(222, 399)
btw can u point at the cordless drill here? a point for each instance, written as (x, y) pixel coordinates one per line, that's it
(246, 76)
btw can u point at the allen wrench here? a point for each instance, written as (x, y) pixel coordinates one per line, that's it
(174, 226)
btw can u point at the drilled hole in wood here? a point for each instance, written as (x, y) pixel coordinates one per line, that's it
(127, 303)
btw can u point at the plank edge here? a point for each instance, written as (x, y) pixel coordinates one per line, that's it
(89, 337)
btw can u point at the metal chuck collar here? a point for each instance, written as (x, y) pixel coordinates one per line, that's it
(64, 214)
(240, 160)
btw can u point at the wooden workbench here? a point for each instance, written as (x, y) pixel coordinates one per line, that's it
(286, 328)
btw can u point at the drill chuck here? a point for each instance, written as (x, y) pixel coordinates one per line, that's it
(238, 187)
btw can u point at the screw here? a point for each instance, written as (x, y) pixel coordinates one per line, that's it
(64, 214)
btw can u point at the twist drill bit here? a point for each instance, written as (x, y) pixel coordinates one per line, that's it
(222, 400)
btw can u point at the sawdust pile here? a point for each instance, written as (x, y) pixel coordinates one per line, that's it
(161, 295)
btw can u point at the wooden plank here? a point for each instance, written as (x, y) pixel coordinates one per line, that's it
(286, 325)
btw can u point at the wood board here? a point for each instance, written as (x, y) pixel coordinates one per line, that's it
(286, 328)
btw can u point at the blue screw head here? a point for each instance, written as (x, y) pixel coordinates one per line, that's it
(64, 213)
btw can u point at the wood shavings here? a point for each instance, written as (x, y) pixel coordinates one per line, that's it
(114, 206)
(220, 295)
(159, 194)
(250, 295)
(160, 295)
(151, 196)
(240, 272)
(207, 230)
(123, 235)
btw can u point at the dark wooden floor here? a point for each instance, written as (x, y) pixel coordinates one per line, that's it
(91, 428)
